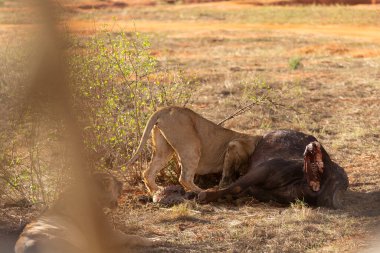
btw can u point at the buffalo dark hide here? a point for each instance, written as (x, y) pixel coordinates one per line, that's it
(276, 172)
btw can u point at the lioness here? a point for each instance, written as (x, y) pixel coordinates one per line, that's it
(75, 225)
(201, 147)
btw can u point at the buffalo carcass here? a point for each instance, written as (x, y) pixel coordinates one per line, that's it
(288, 165)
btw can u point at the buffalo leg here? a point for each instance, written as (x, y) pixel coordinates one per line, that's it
(252, 178)
(283, 195)
(275, 179)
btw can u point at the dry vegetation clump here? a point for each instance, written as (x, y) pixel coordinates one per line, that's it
(27, 137)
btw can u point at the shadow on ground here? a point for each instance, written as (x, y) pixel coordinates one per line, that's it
(8, 238)
(362, 204)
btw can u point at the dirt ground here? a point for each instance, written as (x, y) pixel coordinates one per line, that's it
(226, 45)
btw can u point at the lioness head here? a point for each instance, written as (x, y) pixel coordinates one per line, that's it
(108, 189)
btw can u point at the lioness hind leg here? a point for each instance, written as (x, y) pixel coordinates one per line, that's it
(189, 160)
(187, 145)
(161, 155)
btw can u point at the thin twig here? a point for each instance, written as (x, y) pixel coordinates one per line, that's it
(238, 112)
(290, 108)
(245, 108)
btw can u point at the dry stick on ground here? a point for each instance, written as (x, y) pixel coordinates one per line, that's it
(247, 107)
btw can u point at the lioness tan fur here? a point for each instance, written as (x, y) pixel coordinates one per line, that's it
(201, 147)
(67, 228)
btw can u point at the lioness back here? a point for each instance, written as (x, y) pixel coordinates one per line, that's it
(213, 138)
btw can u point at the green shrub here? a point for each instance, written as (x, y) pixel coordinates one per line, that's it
(295, 63)
(118, 85)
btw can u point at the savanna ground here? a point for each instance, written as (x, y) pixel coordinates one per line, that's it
(323, 64)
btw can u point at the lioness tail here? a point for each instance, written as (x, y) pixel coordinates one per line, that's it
(148, 128)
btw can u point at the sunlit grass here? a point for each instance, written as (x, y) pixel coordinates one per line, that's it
(311, 14)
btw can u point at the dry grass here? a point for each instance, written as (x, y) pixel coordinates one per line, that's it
(336, 91)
